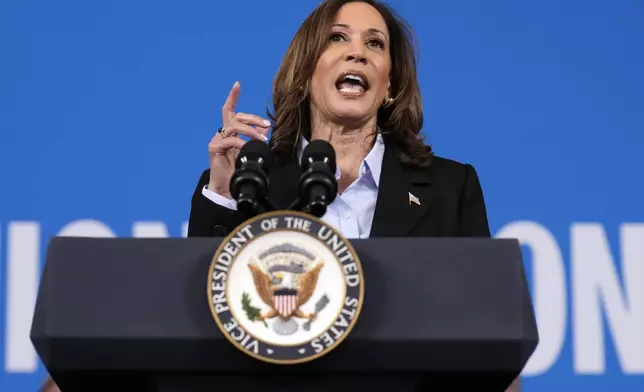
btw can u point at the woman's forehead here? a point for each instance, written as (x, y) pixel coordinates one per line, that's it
(360, 16)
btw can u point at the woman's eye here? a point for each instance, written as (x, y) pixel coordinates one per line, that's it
(336, 37)
(377, 43)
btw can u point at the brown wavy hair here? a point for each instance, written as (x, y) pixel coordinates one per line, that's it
(400, 122)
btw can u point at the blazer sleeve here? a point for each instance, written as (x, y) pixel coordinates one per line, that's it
(474, 223)
(473, 220)
(207, 218)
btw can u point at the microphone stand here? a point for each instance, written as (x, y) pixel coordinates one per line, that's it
(261, 206)
(296, 205)
(299, 205)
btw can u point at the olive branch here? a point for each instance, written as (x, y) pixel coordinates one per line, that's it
(252, 312)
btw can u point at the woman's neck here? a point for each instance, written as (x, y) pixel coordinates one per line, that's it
(351, 145)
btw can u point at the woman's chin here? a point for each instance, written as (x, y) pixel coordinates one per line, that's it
(351, 113)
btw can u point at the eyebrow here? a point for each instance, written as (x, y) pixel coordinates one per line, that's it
(371, 30)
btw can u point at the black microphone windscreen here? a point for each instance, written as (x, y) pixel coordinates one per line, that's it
(255, 150)
(319, 150)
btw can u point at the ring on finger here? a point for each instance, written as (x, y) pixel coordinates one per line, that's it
(222, 132)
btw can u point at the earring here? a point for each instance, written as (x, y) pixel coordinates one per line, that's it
(388, 102)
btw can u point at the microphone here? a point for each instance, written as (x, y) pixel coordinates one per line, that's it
(249, 183)
(318, 186)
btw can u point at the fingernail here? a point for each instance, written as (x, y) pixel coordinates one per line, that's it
(267, 123)
(264, 138)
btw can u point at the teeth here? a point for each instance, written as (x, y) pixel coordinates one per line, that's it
(355, 77)
(353, 90)
(352, 84)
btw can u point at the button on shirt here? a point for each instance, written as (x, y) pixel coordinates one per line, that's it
(351, 213)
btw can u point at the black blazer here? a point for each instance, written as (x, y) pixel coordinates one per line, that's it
(450, 195)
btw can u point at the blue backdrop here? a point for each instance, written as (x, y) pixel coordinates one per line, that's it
(106, 110)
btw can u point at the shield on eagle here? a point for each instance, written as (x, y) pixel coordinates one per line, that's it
(285, 302)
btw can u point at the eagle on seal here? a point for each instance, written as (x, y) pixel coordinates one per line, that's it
(302, 288)
(285, 278)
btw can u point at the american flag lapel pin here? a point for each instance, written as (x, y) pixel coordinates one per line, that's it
(413, 199)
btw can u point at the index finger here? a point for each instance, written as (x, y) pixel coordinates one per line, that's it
(228, 110)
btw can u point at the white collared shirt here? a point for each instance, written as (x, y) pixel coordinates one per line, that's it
(352, 212)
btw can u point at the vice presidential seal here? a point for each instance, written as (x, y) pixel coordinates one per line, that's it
(284, 287)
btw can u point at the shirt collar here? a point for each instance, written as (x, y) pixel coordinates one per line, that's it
(372, 164)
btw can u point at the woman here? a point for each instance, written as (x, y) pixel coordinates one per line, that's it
(348, 77)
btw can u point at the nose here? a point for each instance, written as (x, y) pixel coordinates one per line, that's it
(356, 56)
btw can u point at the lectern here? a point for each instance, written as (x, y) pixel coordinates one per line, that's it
(438, 314)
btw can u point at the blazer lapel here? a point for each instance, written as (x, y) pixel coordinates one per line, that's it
(404, 197)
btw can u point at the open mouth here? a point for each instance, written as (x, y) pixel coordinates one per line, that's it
(352, 82)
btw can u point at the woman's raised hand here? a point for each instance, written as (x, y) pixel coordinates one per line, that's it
(225, 145)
